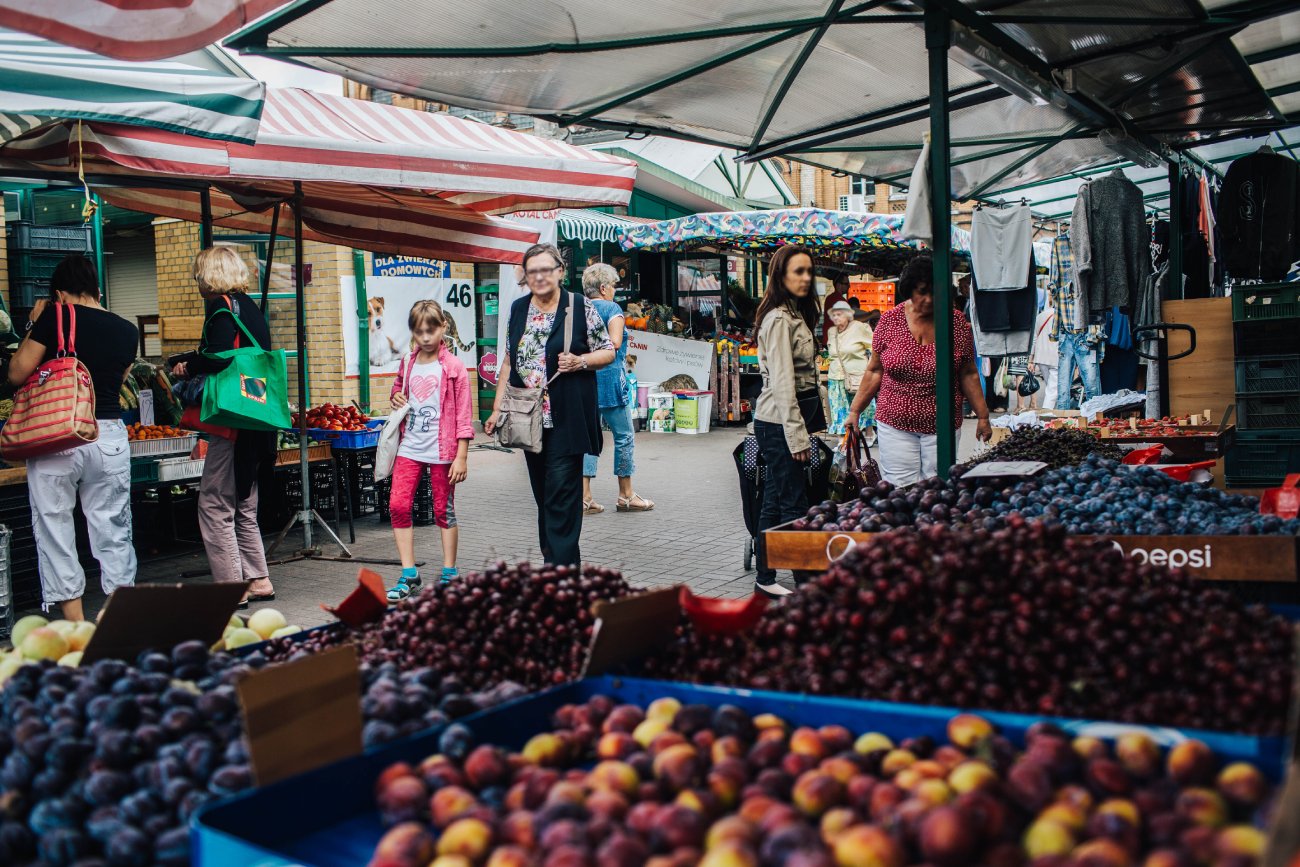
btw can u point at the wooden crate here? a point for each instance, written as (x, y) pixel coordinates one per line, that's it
(1210, 558)
(318, 452)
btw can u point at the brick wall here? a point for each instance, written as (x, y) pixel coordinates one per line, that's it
(4, 266)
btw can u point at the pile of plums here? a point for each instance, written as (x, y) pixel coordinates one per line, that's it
(1056, 447)
(1098, 496)
(672, 785)
(1022, 619)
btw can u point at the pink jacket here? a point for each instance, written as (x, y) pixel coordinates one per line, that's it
(455, 417)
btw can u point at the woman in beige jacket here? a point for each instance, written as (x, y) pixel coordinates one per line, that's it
(848, 344)
(787, 361)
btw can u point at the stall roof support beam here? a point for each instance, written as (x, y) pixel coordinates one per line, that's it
(1278, 53)
(938, 38)
(1013, 167)
(809, 46)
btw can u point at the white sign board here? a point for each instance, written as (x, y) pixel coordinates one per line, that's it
(388, 303)
(658, 357)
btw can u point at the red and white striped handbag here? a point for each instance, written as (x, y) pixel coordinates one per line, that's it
(55, 408)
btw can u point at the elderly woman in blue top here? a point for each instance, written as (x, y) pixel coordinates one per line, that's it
(598, 283)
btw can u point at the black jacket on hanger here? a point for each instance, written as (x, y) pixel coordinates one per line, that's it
(1257, 216)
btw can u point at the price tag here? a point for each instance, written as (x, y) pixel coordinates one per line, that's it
(1133, 423)
(160, 616)
(1002, 469)
(628, 628)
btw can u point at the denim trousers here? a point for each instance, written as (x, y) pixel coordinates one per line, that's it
(785, 492)
(1076, 353)
(619, 421)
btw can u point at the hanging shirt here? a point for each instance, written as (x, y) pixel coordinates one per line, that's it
(1258, 216)
(424, 393)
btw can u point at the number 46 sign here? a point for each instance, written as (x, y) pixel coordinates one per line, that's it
(460, 295)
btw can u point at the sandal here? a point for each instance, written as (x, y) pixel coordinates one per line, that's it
(631, 504)
(403, 589)
(591, 507)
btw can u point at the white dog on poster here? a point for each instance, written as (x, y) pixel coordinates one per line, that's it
(383, 350)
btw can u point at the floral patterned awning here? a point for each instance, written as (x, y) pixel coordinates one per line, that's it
(822, 231)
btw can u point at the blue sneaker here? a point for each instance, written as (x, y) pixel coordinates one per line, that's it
(405, 586)
(449, 574)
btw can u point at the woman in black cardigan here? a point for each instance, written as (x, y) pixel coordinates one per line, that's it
(570, 418)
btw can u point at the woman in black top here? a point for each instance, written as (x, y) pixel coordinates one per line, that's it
(570, 418)
(98, 472)
(228, 491)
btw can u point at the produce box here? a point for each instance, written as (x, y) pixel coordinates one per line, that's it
(1265, 301)
(1192, 443)
(317, 452)
(175, 469)
(1209, 558)
(1263, 458)
(348, 439)
(328, 817)
(165, 446)
(144, 470)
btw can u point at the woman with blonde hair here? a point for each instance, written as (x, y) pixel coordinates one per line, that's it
(228, 490)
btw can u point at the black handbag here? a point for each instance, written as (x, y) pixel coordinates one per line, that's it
(1028, 385)
(810, 408)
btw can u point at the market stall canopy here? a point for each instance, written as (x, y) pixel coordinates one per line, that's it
(839, 84)
(133, 29)
(42, 83)
(374, 176)
(584, 224)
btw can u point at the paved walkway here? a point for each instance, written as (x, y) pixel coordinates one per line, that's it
(695, 534)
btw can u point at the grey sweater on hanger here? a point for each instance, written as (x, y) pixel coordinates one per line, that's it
(1113, 258)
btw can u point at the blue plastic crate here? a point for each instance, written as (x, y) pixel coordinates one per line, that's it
(327, 818)
(351, 439)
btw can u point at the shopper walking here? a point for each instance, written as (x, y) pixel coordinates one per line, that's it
(598, 284)
(901, 372)
(848, 346)
(98, 473)
(839, 293)
(228, 490)
(1046, 354)
(570, 417)
(788, 409)
(435, 435)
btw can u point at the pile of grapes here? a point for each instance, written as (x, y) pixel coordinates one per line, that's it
(1056, 447)
(1021, 619)
(1098, 496)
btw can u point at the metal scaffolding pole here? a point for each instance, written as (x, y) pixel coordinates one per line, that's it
(938, 37)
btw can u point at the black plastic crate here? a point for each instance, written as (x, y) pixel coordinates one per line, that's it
(24, 292)
(67, 239)
(1262, 459)
(1266, 337)
(1268, 374)
(421, 508)
(1269, 411)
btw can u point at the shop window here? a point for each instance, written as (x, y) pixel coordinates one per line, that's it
(857, 186)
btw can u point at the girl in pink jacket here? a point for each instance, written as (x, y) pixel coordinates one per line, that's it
(435, 434)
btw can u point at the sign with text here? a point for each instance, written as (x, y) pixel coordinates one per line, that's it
(655, 358)
(388, 308)
(409, 266)
(487, 368)
(161, 616)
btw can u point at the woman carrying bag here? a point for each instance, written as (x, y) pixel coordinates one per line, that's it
(848, 345)
(228, 490)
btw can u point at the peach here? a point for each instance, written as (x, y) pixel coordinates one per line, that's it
(264, 621)
(63, 627)
(836, 738)
(81, 634)
(1090, 748)
(729, 854)
(872, 742)
(732, 829)
(1122, 808)
(616, 745)
(44, 643)
(727, 747)
(72, 659)
(449, 804)
(949, 757)
(796, 764)
(807, 742)
(966, 730)
(471, 838)
(664, 740)
(700, 801)
(1202, 807)
(518, 829)
(486, 766)
(1076, 796)
(664, 709)
(1066, 814)
(948, 837)
(451, 861)
(753, 809)
(405, 845)
(930, 769)
(816, 792)
(566, 792)
(1100, 853)
(1106, 777)
(1046, 837)
(971, 775)
(608, 804)
(1029, 785)
(765, 721)
(935, 793)
(1190, 763)
(1240, 841)
(1242, 784)
(725, 787)
(774, 734)
(545, 749)
(650, 729)
(677, 827)
(624, 718)
(393, 772)
(508, 856)
(678, 766)
(1165, 858)
(834, 821)
(991, 814)
(885, 798)
(867, 846)
(1139, 754)
(858, 789)
(438, 771)
(896, 760)
(614, 776)
(402, 799)
(840, 768)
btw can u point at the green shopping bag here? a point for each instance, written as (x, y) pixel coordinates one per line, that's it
(252, 393)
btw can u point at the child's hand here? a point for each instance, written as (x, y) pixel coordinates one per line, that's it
(398, 401)
(459, 470)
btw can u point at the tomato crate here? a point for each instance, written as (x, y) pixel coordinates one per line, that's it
(166, 446)
(1266, 411)
(1262, 459)
(1265, 301)
(292, 455)
(1268, 374)
(350, 439)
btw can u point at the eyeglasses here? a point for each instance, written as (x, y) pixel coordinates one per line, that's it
(539, 273)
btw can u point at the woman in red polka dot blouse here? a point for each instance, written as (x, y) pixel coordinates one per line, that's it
(901, 377)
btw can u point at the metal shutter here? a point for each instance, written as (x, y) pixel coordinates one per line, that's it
(133, 279)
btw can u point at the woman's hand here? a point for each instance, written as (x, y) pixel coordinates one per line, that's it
(493, 420)
(851, 422)
(180, 371)
(398, 400)
(803, 456)
(459, 470)
(568, 362)
(983, 430)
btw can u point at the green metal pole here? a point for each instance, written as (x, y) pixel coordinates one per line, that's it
(98, 222)
(938, 37)
(363, 332)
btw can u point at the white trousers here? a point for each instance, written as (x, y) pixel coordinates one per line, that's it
(907, 458)
(1048, 386)
(100, 473)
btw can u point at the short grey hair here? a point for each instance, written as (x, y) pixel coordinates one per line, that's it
(596, 276)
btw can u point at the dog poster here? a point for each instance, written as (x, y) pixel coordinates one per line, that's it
(388, 305)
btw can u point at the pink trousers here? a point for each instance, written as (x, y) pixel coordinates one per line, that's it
(406, 478)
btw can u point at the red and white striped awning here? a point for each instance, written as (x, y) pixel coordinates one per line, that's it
(133, 29)
(377, 177)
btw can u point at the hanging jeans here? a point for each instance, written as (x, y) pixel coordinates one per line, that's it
(785, 489)
(619, 421)
(100, 474)
(1076, 353)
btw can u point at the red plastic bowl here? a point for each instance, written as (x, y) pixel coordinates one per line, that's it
(722, 616)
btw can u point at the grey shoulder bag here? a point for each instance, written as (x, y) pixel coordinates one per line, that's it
(520, 422)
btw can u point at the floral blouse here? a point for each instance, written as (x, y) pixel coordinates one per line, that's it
(532, 348)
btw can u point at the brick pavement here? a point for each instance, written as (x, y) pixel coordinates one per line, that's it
(694, 535)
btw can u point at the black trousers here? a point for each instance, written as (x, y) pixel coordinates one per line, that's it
(557, 488)
(785, 491)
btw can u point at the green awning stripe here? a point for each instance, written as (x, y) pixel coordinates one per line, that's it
(59, 87)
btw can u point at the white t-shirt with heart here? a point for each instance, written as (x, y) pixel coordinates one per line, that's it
(424, 392)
